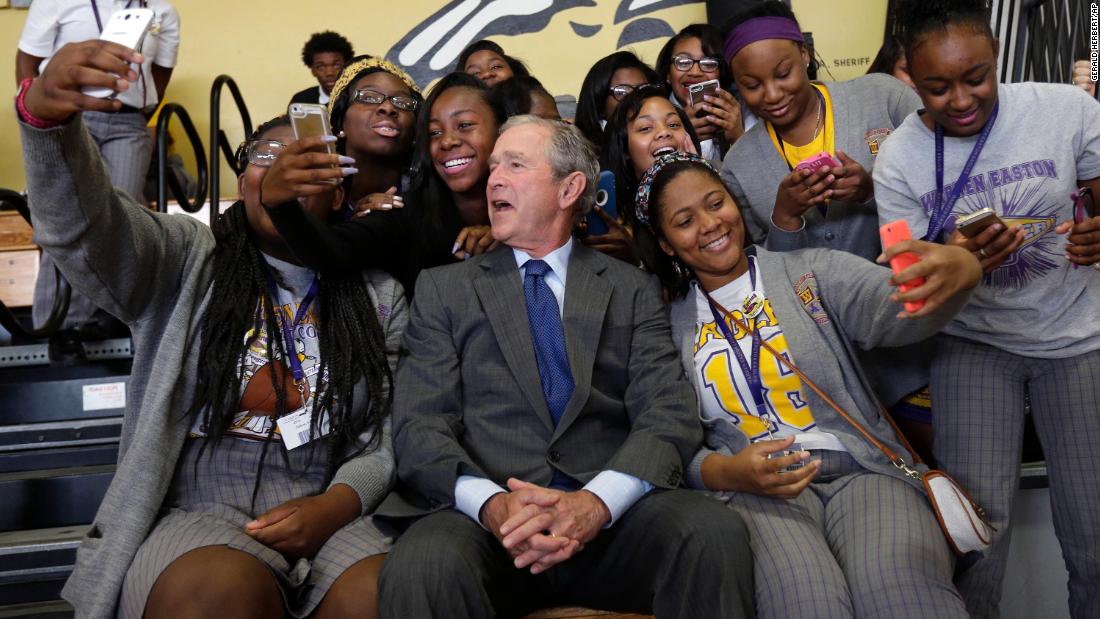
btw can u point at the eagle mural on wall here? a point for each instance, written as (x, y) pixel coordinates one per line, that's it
(430, 49)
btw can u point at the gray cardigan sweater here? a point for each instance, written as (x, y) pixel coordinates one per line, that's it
(154, 272)
(827, 303)
(753, 169)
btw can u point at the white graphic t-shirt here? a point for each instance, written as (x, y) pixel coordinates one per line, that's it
(723, 387)
(255, 416)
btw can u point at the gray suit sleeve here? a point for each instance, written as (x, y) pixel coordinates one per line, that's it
(857, 292)
(117, 252)
(428, 400)
(665, 431)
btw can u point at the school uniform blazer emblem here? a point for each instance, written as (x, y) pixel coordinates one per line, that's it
(806, 289)
(874, 138)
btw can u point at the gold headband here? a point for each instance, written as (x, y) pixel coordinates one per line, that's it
(352, 70)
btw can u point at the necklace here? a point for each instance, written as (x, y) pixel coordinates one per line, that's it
(817, 118)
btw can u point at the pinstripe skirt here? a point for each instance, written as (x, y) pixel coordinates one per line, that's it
(209, 503)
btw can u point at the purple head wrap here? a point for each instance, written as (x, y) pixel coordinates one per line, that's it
(758, 29)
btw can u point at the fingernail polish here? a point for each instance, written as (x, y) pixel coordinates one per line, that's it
(349, 171)
(328, 139)
(345, 160)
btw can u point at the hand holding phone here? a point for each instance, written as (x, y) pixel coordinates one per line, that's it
(126, 27)
(605, 200)
(973, 224)
(696, 92)
(893, 233)
(817, 162)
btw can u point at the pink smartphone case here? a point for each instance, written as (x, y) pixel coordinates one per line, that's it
(818, 161)
(892, 233)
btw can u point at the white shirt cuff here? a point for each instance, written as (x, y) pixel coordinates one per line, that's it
(618, 491)
(471, 493)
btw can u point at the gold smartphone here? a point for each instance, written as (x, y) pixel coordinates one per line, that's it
(971, 225)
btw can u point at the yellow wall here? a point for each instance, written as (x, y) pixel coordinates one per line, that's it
(259, 43)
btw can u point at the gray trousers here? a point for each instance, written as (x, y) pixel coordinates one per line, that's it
(127, 149)
(978, 422)
(853, 544)
(675, 553)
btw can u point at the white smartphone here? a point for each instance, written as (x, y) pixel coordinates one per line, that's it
(126, 27)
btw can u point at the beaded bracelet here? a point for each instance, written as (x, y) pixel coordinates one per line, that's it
(25, 115)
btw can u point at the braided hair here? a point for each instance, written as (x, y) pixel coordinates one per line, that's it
(916, 19)
(351, 343)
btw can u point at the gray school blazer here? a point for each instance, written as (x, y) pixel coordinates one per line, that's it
(828, 303)
(865, 110)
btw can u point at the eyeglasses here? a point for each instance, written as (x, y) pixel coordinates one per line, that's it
(373, 97)
(262, 153)
(1082, 204)
(707, 64)
(621, 90)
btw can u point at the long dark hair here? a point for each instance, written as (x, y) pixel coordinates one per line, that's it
(518, 67)
(674, 275)
(351, 343)
(438, 213)
(710, 39)
(597, 86)
(917, 18)
(615, 148)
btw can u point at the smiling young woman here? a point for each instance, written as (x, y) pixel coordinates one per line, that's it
(446, 217)
(1030, 332)
(836, 529)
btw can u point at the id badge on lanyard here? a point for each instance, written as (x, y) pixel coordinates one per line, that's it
(942, 209)
(294, 427)
(752, 308)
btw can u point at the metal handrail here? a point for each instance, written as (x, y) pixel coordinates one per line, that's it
(219, 142)
(166, 113)
(62, 290)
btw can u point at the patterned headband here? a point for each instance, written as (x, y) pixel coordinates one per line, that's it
(641, 199)
(351, 71)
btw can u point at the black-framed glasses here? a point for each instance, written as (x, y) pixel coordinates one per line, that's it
(373, 97)
(261, 153)
(683, 62)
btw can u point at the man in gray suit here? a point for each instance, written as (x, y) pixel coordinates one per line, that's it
(542, 422)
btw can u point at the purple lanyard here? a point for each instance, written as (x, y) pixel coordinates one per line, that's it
(943, 209)
(751, 373)
(288, 329)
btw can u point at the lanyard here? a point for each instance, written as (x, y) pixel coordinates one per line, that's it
(750, 372)
(942, 209)
(288, 329)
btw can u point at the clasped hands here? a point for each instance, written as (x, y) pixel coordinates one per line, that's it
(541, 527)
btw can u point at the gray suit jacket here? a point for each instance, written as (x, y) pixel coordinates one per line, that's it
(753, 169)
(468, 400)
